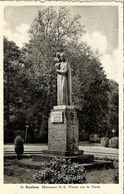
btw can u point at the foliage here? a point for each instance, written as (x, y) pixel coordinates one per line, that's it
(19, 133)
(105, 141)
(90, 88)
(83, 136)
(30, 78)
(113, 114)
(94, 138)
(11, 56)
(61, 171)
(19, 148)
(8, 136)
(21, 106)
(35, 79)
(52, 31)
(114, 160)
(114, 142)
(116, 177)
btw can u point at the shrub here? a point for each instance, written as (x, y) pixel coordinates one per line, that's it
(83, 136)
(105, 141)
(116, 177)
(114, 142)
(61, 171)
(19, 148)
(94, 138)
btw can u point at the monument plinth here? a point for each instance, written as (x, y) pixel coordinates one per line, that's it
(63, 133)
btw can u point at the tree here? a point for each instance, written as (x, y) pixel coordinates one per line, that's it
(18, 96)
(52, 31)
(33, 88)
(49, 32)
(113, 115)
(90, 88)
(11, 54)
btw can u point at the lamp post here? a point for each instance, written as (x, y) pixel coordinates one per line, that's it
(26, 132)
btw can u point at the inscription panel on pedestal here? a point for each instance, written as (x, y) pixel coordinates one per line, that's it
(57, 117)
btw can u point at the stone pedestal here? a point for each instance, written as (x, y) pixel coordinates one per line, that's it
(63, 136)
(63, 132)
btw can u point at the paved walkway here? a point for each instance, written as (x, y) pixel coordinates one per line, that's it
(95, 149)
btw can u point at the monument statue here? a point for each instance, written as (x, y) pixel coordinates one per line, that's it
(63, 80)
(63, 125)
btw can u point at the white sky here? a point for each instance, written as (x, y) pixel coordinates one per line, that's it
(101, 25)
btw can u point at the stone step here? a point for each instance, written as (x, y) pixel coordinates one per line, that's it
(11, 154)
(76, 158)
(96, 164)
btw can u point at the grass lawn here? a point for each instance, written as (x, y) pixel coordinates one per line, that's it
(15, 174)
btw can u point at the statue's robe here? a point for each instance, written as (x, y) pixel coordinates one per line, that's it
(64, 84)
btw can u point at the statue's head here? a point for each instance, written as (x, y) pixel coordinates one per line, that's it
(62, 56)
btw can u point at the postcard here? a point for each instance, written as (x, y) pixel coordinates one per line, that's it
(61, 97)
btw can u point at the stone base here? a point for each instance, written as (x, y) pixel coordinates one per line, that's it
(78, 158)
(63, 132)
(63, 153)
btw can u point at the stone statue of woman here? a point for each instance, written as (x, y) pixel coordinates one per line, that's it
(63, 80)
